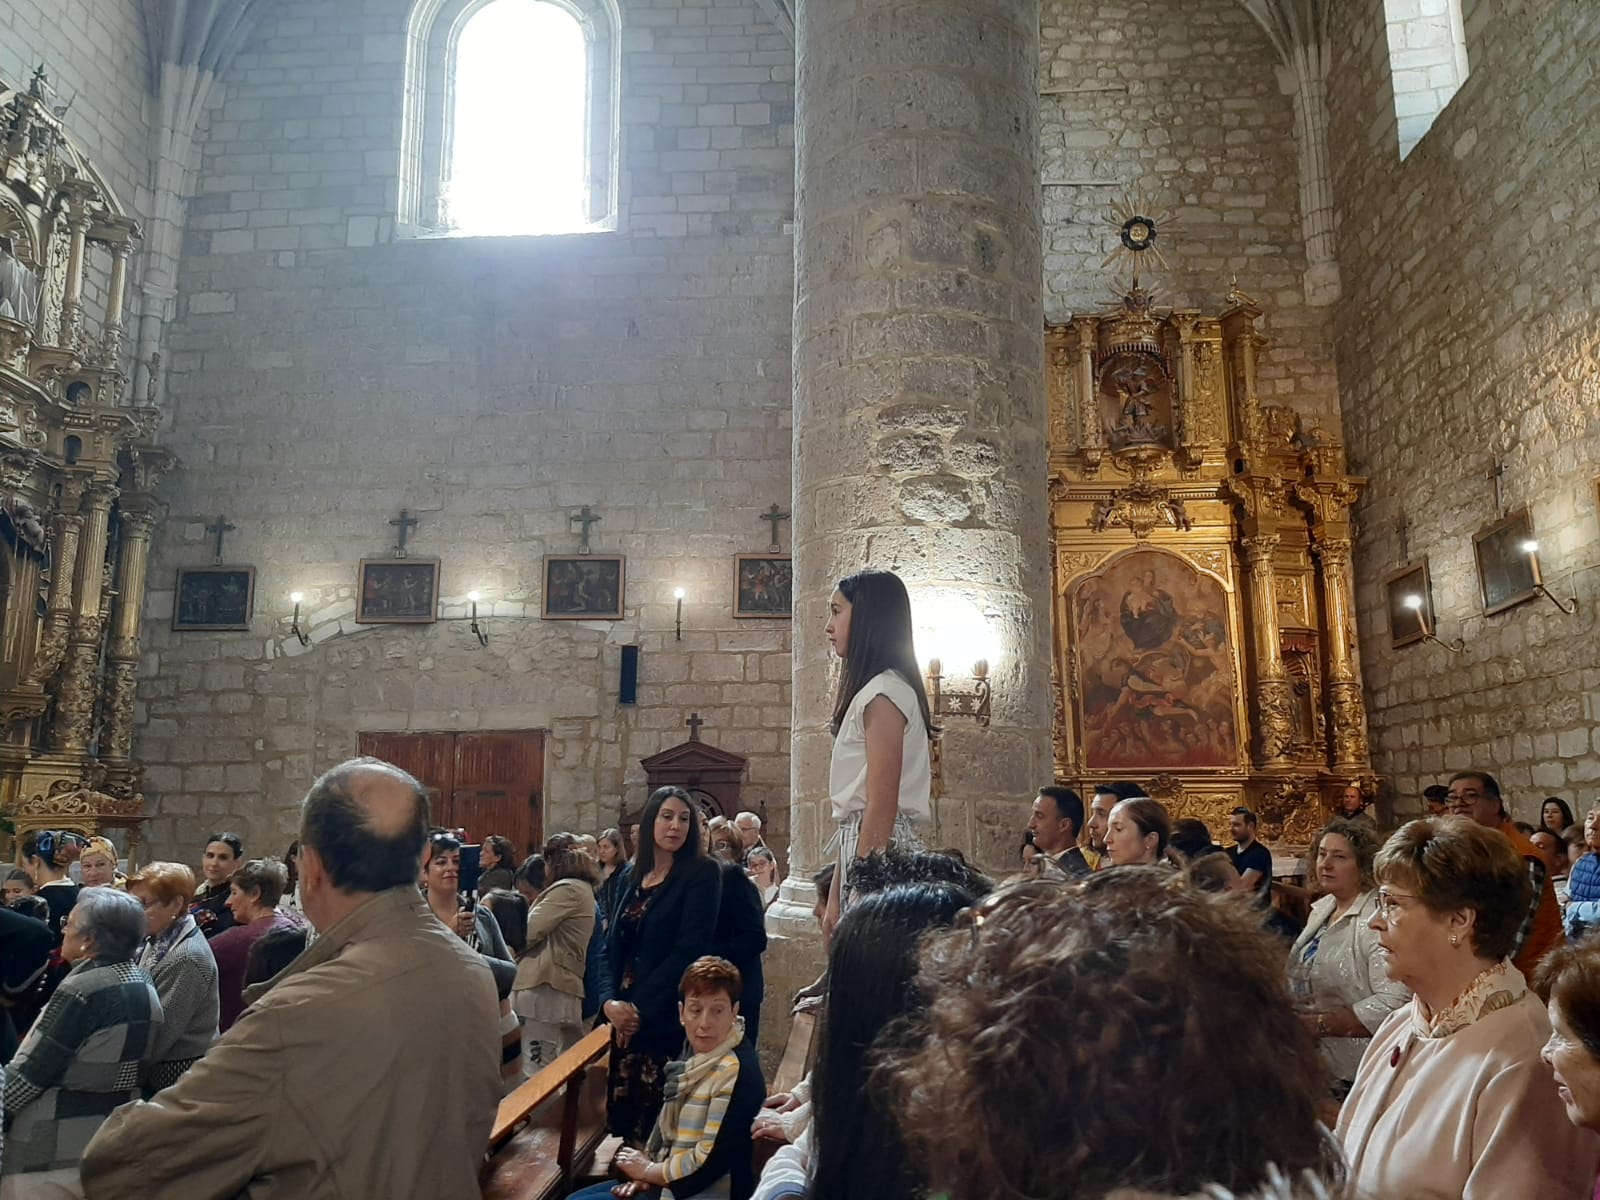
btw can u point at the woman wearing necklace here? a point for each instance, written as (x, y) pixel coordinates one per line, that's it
(1451, 1097)
(1338, 973)
(666, 921)
(880, 778)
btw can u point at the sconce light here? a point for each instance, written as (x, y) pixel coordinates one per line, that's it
(1414, 603)
(477, 631)
(1530, 548)
(946, 702)
(678, 595)
(294, 624)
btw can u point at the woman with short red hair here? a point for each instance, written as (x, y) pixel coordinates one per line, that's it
(179, 961)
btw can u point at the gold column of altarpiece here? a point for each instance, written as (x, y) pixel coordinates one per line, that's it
(77, 472)
(1204, 633)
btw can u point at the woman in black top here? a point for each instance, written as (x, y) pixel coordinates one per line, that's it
(665, 921)
(741, 938)
(46, 855)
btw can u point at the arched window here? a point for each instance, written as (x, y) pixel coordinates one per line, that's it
(510, 120)
(1427, 61)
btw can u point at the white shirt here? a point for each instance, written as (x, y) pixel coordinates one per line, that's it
(847, 774)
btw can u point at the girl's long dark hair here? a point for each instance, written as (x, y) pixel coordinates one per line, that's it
(859, 1153)
(644, 855)
(880, 640)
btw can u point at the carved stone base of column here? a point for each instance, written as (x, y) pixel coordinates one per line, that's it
(1274, 720)
(74, 717)
(1350, 744)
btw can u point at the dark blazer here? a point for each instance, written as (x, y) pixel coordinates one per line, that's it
(678, 928)
(741, 938)
(731, 1154)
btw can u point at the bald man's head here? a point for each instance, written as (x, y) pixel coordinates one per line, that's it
(367, 820)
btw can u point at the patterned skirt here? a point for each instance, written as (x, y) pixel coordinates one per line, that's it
(634, 1092)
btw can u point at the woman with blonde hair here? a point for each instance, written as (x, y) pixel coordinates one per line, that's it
(179, 960)
(97, 865)
(1451, 1097)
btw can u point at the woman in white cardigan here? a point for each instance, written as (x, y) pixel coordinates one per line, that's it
(1338, 972)
(1451, 1097)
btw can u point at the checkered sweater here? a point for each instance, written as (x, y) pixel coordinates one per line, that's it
(79, 1061)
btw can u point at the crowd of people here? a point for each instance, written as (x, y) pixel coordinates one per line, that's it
(1137, 1011)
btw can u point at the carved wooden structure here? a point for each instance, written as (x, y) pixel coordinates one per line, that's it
(1204, 623)
(77, 474)
(711, 775)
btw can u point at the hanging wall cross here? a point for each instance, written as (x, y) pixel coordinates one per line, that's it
(405, 523)
(222, 529)
(1402, 529)
(585, 518)
(694, 722)
(1493, 474)
(775, 516)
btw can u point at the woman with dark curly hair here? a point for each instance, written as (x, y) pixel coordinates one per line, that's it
(1156, 1008)
(1338, 973)
(1451, 1098)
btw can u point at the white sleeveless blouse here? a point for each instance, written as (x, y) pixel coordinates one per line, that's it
(847, 774)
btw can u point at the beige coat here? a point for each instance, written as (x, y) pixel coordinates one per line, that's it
(1471, 1116)
(559, 927)
(371, 1068)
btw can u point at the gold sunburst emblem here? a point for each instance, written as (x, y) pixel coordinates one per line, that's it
(1139, 228)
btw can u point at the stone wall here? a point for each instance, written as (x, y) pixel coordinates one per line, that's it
(94, 53)
(1182, 101)
(1467, 332)
(323, 376)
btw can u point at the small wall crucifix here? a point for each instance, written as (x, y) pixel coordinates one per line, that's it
(1493, 474)
(694, 722)
(1402, 529)
(775, 516)
(222, 529)
(405, 523)
(585, 518)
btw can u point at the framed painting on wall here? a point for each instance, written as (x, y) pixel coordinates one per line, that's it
(215, 598)
(1508, 562)
(584, 587)
(1408, 596)
(763, 586)
(398, 591)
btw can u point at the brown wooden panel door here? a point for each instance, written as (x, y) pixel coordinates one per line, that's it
(431, 757)
(499, 786)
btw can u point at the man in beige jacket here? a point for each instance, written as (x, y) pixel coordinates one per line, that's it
(369, 1067)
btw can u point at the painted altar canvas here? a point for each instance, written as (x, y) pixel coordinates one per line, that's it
(1157, 684)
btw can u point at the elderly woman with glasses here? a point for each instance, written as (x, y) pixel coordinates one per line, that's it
(179, 960)
(83, 1055)
(1338, 973)
(1452, 1098)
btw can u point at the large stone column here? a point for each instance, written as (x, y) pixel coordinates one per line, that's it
(919, 406)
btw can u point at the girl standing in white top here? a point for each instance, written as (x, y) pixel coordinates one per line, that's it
(880, 779)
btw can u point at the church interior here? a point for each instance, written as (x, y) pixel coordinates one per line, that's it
(500, 387)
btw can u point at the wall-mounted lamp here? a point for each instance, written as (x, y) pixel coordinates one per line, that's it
(678, 595)
(294, 624)
(477, 631)
(1414, 603)
(1531, 548)
(946, 702)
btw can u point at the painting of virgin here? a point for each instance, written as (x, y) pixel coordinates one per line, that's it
(1157, 684)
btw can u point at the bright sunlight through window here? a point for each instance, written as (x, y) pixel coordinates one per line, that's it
(517, 150)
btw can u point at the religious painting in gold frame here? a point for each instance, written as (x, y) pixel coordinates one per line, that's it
(1157, 675)
(1409, 623)
(1508, 571)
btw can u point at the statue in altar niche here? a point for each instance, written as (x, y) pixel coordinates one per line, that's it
(19, 287)
(1135, 401)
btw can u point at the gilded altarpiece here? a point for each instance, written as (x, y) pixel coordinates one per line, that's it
(78, 471)
(1203, 609)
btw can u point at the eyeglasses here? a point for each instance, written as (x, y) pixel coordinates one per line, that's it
(1386, 903)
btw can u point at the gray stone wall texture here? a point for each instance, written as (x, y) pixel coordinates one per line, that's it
(94, 53)
(322, 377)
(1182, 101)
(1467, 332)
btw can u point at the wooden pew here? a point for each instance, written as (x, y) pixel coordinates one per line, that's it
(798, 1053)
(536, 1147)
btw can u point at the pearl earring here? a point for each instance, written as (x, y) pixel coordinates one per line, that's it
(1454, 940)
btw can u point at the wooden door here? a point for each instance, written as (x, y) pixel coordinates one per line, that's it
(481, 782)
(498, 786)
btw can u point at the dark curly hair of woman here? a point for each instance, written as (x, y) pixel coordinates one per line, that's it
(1131, 1032)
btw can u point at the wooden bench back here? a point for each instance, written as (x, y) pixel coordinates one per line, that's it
(532, 1154)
